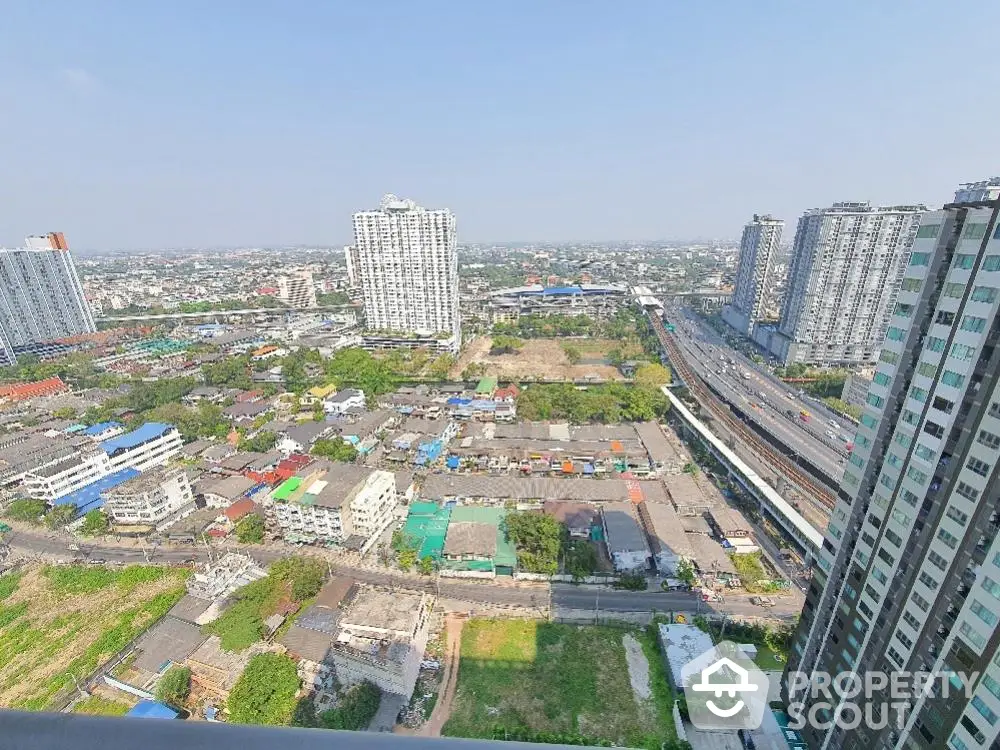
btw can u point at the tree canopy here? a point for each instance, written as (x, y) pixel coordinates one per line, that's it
(175, 685)
(250, 529)
(356, 709)
(60, 515)
(503, 344)
(605, 404)
(537, 538)
(336, 449)
(265, 692)
(358, 368)
(653, 375)
(95, 523)
(27, 509)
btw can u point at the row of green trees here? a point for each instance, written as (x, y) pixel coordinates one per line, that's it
(605, 404)
(34, 511)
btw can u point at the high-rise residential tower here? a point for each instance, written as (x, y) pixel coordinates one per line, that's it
(409, 271)
(759, 245)
(847, 263)
(41, 298)
(908, 578)
(297, 289)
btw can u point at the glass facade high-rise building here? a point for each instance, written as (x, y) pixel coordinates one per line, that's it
(847, 262)
(908, 578)
(41, 298)
(407, 261)
(758, 247)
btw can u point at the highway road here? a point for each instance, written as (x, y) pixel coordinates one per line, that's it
(822, 441)
(556, 598)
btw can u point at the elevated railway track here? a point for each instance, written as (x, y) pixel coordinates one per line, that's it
(781, 463)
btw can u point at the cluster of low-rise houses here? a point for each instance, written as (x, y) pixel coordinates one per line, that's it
(443, 476)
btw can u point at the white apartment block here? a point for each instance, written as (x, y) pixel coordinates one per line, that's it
(150, 499)
(41, 298)
(758, 248)
(344, 504)
(297, 290)
(69, 475)
(152, 444)
(847, 265)
(856, 386)
(908, 578)
(409, 270)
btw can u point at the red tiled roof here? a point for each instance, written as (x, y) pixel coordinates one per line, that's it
(23, 391)
(240, 508)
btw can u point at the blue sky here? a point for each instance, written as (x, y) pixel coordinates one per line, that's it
(145, 125)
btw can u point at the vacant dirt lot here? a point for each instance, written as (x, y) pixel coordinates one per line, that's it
(538, 359)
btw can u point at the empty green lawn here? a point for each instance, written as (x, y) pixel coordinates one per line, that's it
(554, 681)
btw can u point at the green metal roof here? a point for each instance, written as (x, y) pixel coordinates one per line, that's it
(287, 488)
(486, 385)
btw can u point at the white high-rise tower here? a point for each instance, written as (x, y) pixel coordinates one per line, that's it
(759, 245)
(908, 578)
(41, 298)
(847, 265)
(408, 264)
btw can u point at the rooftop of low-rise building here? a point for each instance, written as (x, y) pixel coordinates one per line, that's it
(622, 524)
(147, 481)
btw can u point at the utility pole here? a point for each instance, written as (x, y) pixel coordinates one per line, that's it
(77, 683)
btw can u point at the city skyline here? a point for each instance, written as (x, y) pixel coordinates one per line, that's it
(543, 125)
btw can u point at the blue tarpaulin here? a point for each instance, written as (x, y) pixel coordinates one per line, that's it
(89, 497)
(151, 710)
(588, 468)
(456, 401)
(453, 462)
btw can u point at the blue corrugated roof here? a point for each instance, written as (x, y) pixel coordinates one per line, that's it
(562, 290)
(151, 710)
(100, 427)
(89, 497)
(138, 436)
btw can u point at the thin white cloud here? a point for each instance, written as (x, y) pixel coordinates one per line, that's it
(79, 80)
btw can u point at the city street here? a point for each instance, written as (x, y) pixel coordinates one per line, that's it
(500, 592)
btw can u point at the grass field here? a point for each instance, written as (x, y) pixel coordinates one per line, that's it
(767, 659)
(95, 705)
(70, 619)
(590, 347)
(555, 681)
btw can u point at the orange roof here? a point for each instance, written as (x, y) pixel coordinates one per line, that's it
(634, 490)
(240, 508)
(266, 349)
(617, 447)
(567, 467)
(23, 391)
